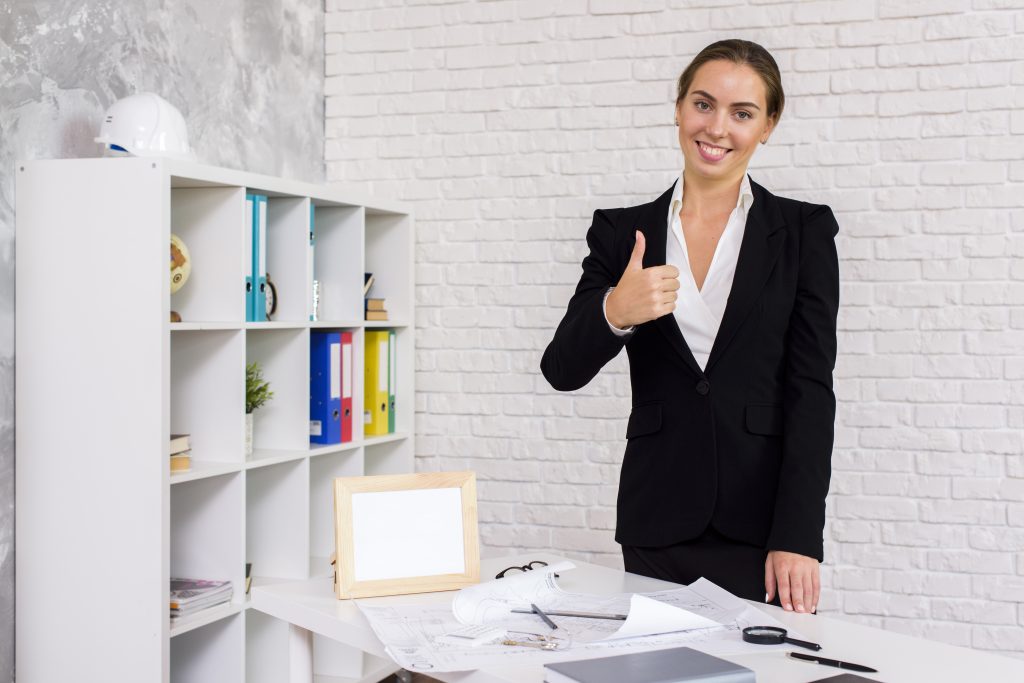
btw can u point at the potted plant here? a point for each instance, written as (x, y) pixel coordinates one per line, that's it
(257, 392)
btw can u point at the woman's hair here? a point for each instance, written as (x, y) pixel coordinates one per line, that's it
(740, 52)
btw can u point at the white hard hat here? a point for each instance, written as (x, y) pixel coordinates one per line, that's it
(145, 125)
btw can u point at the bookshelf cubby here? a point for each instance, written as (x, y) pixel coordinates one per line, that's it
(283, 355)
(266, 652)
(103, 378)
(212, 652)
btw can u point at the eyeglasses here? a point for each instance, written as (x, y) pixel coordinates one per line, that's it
(534, 564)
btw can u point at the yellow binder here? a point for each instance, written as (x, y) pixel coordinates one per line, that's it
(375, 392)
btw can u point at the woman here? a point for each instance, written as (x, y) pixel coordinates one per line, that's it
(725, 298)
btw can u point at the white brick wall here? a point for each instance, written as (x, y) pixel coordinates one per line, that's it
(507, 123)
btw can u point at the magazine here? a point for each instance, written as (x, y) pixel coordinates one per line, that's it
(191, 595)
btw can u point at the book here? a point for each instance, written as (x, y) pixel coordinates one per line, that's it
(248, 577)
(367, 283)
(375, 305)
(180, 443)
(181, 462)
(192, 595)
(674, 665)
(376, 315)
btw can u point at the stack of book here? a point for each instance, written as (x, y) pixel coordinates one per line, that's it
(189, 596)
(181, 447)
(374, 309)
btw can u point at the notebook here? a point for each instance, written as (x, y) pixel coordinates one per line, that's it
(675, 665)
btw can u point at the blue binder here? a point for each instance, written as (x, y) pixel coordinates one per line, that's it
(250, 258)
(324, 387)
(259, 265)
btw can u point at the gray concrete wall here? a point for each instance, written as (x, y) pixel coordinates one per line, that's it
(247, 75)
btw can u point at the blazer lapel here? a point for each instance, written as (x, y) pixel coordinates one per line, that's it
(655, 230)
(760, 248)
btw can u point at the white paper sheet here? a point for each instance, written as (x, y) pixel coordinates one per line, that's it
(712, 619)
(391, 527)
(494, 600)
(649, 617)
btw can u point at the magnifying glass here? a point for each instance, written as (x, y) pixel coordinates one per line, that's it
(771, 635)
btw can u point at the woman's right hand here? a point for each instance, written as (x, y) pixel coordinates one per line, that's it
(642, 294)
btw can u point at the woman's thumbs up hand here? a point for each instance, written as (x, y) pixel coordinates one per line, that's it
(642, 294)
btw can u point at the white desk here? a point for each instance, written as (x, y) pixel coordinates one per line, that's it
(310, 606)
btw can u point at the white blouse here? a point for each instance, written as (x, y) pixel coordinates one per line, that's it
(699, 312)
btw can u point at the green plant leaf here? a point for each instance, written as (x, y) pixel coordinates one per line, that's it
(257, 390)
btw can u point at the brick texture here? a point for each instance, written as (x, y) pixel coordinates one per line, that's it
(507, 123)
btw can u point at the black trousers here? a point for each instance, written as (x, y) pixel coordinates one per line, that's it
(737, 567)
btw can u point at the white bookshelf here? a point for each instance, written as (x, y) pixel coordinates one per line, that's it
(103, 378)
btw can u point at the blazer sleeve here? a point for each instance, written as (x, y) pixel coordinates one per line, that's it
(584, 342)
(809, 400)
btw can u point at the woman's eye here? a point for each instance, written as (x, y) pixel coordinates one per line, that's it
(745, 115)
(701, 104)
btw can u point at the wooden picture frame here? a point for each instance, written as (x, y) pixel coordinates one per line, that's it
(405, 533)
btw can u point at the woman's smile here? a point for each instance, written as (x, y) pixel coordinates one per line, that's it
(710, 152)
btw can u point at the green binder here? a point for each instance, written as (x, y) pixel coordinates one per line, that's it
(392, 379)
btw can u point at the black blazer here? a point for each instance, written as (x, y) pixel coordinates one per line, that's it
(744, 446)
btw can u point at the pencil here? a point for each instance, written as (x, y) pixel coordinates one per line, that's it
(584, 615)
(536, 610)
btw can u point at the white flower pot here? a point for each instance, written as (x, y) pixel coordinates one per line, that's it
(248, 435)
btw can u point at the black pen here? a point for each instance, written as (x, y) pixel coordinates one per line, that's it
(832, 662)
(536, 610)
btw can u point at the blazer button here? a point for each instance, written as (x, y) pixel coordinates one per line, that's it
(703, 387)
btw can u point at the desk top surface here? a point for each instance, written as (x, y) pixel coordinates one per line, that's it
(899, 658)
